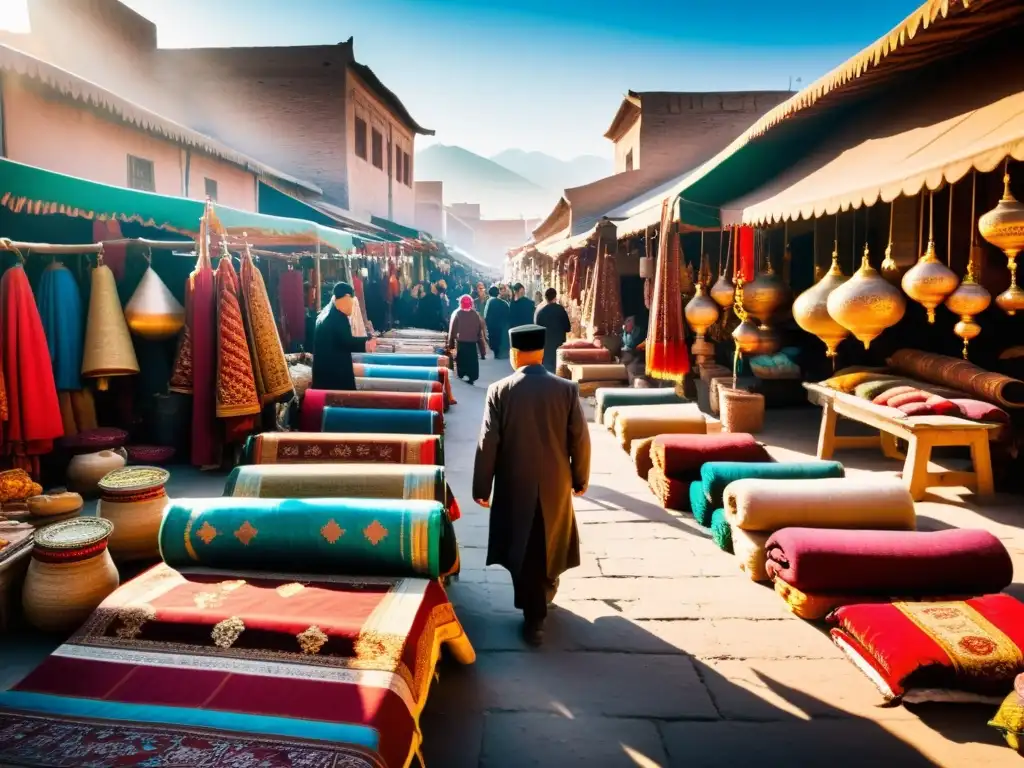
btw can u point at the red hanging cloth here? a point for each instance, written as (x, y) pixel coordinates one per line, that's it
(745, 253)
(667, 356)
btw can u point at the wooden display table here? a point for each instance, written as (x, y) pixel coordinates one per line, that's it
(922, 434)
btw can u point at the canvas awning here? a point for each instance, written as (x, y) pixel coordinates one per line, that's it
(28, 189)
(910, 140)
(558, 244)
(401, 230)
(644, 211)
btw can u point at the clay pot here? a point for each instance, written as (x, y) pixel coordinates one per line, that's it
(86, 470)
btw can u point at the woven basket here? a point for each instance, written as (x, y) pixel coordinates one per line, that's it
(742, 411)
(136, 527)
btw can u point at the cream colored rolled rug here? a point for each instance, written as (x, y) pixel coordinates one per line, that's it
(638, 421)
(749, 548)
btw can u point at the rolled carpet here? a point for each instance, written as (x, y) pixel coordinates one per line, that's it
(319, 447)
(836, 502)
(364, 384)
(610, 396)
(374, 420)
(337, 536)
(721, 531)
(576, 356)
(599, 372)
(368, 371)
(391, 359)
(588, 388)
(640, 453)
(748, 546)
(311, 413)
(345, 481)
(716, 475)
(683, 455)
(671, 494)
(612, 413)
(829, 568)
(684, 418)
(935, 650)
(699, 504)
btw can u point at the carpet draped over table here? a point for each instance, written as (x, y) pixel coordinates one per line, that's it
(31, 420)
(667, 357)
(354, 536)
(238, 668)
(301, 447)
(371, 420)
(311, 414)
(273, 382)
(355, 481)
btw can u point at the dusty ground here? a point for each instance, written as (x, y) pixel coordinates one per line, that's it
(661, 652)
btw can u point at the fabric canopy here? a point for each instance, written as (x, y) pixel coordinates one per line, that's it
(912, 139)
(28, 189)
(400, 229)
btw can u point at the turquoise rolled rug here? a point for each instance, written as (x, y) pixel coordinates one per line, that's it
(390, 420)
(377, 371)
(721, 532)
(699, 504)
(373, 537)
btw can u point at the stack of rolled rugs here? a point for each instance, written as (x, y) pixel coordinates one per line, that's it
(608, 397)
(594, 376)
(379, 370)
(757, 508)
(322, 409)
(579, 352)
(635, 422)
(676, 462)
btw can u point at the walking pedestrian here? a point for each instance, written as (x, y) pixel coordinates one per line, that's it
(496, 316)
(555, 321)
(466, 337)
(521, 309)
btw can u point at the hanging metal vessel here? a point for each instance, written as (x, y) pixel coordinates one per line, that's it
(929, 282)
(866, 304)
(1012, 299)
(810, 310)
(701, 312)
(1003, 226)
(768, 341)
(747, 337)
(153, 312)
(723, 292)
(968, 300)
(764, 295)
(889, 268)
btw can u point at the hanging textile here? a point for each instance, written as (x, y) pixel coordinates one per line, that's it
(273, 382)
(575, 281)
(195, 367)
(667, 357)
(605, 316)
(33, 418)
(60, 309)
(360, 303)
(237, 399)
(745, 253)
(291, 300)
(114, 256)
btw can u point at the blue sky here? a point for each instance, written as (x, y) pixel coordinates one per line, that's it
(542, 75)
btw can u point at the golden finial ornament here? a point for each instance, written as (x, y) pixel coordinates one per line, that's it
(723, 292)
(701, 312)
(768, 340)
(867, 303)
(1003, 227)
(930, 282)
(746, 334)
(970, 298)
(765, 294)
(810, 310)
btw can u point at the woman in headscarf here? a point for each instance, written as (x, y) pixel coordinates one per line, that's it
(466, 337)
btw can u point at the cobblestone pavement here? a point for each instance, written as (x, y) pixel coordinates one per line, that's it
(662, 653)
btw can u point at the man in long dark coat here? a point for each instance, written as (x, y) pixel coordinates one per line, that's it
(522, 308)
(533, 456)
(555, 320)
(496, 317)
(333, 343)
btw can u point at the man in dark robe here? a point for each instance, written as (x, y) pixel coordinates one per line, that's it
(555, 321)
(532, 457)
(333, 343)
(496, 317)
(522, 308)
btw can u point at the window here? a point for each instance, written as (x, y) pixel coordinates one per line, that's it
(406, 169)
(210, 186)
(378, 149)
(360, 138)
(398, 164)
(140, 174)
(629, 160)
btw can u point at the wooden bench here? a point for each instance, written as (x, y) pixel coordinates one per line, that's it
(922, 434)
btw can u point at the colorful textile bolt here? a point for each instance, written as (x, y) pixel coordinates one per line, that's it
(608, 397)
(372, 420)
(682, 456)
(301, 447)
(311, 414)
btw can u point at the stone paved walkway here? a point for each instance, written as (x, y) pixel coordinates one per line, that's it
(662, 653)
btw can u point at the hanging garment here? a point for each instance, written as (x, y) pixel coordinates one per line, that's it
(291, 299)
(237, 399)
(667, 357)
(273, 382)
(60, 309)
(33, 412)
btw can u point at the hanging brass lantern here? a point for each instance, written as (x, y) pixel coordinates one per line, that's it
(768, 341)
(747, 338)
(810, 310)
(970, 298)
(889, 268)
(764, 295)
(108, 344)
(723, 292)
(866, 304)
(701, 312)
(1012, 299)
(153, 312)
(1003, 227)
(929, 282)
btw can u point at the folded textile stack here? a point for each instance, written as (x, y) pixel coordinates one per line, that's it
(634, 422)
(374, 420)
(608, 397)
(311, 413)
(579, 355)
(757, 508)
(317, 447)
(670, 493)
(716, 475)
(958, 650)
(816, 570)
(640, 453)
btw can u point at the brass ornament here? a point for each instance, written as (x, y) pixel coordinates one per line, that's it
(970, 298)
(1012, 299)
(810, 310)
(867, 303)
(764, 295)
(768, 341)
(747, 337)
(701, 312)
(889, 268)
(929, 282)
(723, 292)
(1003, 226)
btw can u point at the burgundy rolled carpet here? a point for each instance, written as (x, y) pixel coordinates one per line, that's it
(890, 563)
(672, 494)
(682, 456)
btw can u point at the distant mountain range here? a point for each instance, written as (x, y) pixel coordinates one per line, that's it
(511, 184)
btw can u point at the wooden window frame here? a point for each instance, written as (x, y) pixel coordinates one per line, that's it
(132, 176)
(377, 148)
(209, 184)
(361, 133)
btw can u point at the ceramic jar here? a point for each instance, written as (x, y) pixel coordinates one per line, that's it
(87, 469)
